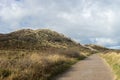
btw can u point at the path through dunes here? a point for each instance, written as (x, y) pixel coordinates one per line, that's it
(92, 68)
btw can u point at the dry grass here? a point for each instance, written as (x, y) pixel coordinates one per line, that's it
(37, 54)
(113, 59)
(26, 65)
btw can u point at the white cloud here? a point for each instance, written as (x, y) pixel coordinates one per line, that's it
(79, 19)
(114, 47)
(11, 12)
(104, 41)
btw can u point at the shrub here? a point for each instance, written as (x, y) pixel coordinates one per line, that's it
(73, 54)
(4, 73)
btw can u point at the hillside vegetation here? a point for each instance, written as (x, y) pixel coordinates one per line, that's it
(41, 39)
(98, 48)
(34, 39)
(38, 54)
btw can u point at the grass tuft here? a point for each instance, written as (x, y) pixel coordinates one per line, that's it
(113, 59)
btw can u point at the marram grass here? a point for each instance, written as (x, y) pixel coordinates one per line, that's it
(113, 59)
(26, 65)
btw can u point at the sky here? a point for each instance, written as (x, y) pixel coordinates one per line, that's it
(85, 21)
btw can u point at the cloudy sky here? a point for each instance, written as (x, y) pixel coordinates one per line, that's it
(86, 21)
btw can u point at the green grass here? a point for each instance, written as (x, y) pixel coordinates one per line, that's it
(113, 59)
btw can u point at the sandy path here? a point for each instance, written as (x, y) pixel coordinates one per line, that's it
(92, 68)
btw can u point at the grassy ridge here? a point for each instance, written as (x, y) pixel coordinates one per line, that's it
(34, 40)
(37, 54)
(41, 39)
(113, 59)
(97, 47)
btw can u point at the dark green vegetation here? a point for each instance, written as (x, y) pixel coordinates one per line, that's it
(34, 39)
(38, 54)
